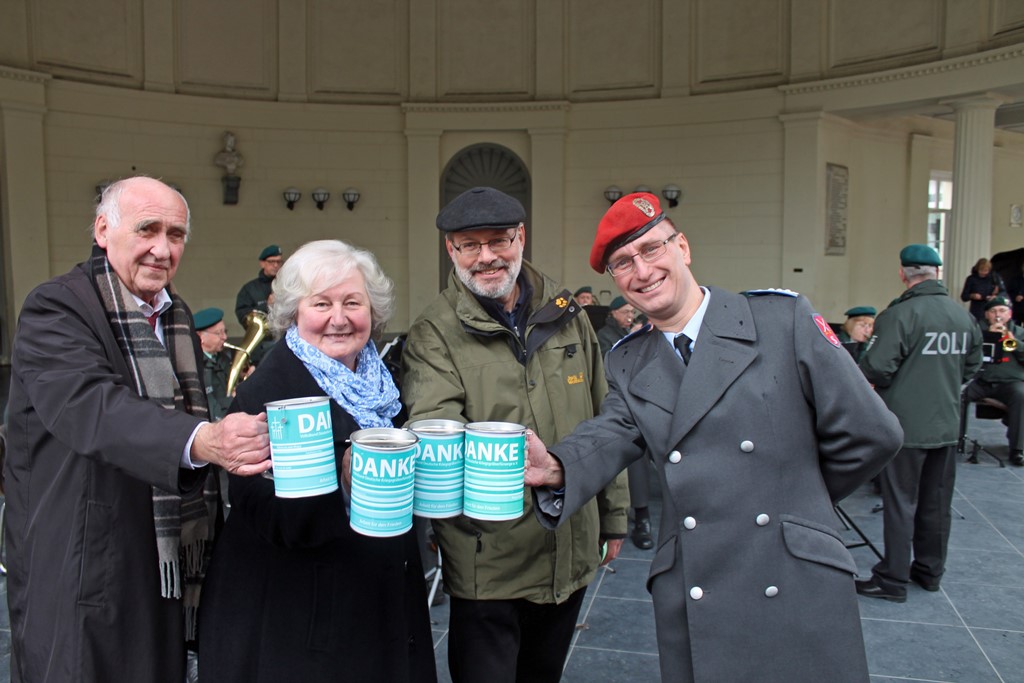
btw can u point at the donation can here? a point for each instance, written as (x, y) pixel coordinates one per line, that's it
(383, 476)
(495, 463)
(302, 447)
(439, 468)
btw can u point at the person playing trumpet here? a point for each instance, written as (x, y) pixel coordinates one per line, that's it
(1003, 377)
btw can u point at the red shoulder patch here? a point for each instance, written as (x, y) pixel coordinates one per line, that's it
(826, 331)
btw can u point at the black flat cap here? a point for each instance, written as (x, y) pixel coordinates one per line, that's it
(480, 208)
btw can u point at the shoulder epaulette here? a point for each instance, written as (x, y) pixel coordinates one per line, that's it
(632, 335)
(770, 290)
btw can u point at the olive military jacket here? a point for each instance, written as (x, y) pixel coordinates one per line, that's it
(253, 295)
(461, 364)
(1008, 365)
(925, 346)
(216, 370)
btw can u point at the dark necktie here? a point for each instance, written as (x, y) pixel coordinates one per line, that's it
(682, 342)
(151, 319)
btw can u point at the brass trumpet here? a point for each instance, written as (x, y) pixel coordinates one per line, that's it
(1007, 340)
(256, 330)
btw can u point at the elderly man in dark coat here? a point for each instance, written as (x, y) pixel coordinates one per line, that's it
(757, 422)
(107, 523)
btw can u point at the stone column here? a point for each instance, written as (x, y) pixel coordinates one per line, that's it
(424, 181)
(970, 227)
(547, 215)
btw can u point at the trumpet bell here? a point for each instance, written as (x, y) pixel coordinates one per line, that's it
(256, 330)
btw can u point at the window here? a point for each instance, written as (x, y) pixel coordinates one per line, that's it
(940, 205)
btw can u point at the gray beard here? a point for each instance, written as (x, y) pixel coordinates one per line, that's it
(496, 291)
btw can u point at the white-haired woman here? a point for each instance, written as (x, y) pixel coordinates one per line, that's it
(293, 594)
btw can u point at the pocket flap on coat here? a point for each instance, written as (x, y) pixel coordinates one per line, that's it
(816, 542)
(664, 560)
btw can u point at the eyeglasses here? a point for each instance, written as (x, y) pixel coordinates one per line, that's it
(649, 253)
(474, 248)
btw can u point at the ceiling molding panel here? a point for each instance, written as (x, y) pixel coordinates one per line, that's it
(88, 41)
(359, 50)
(227, 47)
(486, 50)
(741, 41)
(613, 54)
(869, 33)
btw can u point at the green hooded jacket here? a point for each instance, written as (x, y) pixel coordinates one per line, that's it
(925, 346)
(461, 364)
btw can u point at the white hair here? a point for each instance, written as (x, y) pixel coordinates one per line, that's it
(320, 265)
(109, 204)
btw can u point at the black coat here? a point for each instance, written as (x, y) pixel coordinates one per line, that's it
(84, 450)
(985, 286)
(293, 594)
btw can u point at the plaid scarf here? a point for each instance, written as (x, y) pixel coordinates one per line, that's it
(169, 377)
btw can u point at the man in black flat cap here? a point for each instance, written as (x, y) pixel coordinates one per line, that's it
(925, 346)
(505, 343)
(756, 422)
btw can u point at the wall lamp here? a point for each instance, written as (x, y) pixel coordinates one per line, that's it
(642, 188)
(351, 196)
(292, 195)
(320, 196)
(612, 193)
(672, 193)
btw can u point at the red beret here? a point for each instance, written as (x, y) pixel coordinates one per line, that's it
(628, 218)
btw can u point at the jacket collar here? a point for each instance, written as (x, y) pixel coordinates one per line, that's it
(724, 350)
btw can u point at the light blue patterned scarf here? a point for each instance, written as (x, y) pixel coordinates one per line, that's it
(369, 394)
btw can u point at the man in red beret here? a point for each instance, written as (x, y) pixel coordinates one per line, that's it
(757, 422)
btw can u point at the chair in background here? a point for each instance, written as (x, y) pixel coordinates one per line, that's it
(985, 409)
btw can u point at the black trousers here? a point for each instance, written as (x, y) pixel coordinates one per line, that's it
(1010, 393)
(917, 492)
(507, 641)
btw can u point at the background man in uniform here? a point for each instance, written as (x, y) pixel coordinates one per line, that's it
(1003, 377)
(107, 524)
(256, 292)
(505, 343)
(585, 296)
(924, 348)
(216, 362)
(757, 422)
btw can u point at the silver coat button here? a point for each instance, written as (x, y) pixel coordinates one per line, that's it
(762, 519)
(690, 523)
(771, 591)
(746, 446)
(696, 593)
(674, 457)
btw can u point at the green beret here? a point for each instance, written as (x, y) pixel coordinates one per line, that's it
(480, 208)
(585, 288)
(272, 250)
(208, 317)
(997, 301)
(617, 303)
(861, 310)
(919, 255)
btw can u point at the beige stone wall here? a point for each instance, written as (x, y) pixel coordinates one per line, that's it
(740, 103)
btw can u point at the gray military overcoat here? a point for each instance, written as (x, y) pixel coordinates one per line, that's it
(753, 442)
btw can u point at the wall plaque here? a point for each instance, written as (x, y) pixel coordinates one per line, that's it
(837, 185)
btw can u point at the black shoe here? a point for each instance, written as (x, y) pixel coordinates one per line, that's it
(641, 535)
(1017, 459)
(871, 589)
(927, 584)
